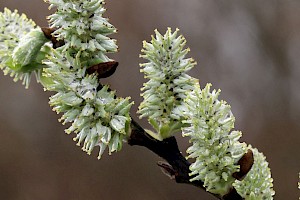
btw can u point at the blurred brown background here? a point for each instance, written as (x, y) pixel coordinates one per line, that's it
(250, 49)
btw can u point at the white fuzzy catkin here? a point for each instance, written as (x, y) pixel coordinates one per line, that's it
(215, 147)
(97, 116)
(81, 25)
(168, 82)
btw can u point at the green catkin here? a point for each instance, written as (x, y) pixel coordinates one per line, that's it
(168, 82)
(81, 25)
(215, 147)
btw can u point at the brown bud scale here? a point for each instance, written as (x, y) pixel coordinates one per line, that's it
(104, 70)
(245, 164)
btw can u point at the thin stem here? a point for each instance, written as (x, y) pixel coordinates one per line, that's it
(178, 166)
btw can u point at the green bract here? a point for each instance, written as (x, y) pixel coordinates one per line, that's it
(168, 82)
(214, 146)
(98, 117)
(21, 46)
(258, 184)
(26, 52)
(83, 28)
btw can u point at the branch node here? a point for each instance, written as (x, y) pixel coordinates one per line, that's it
(48, 34)
(167, 169)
